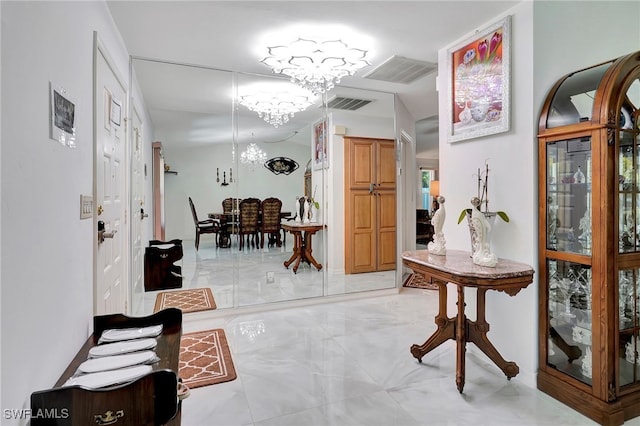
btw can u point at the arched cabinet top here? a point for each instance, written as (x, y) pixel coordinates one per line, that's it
(606, 94)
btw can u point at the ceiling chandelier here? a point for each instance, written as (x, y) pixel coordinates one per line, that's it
(253, 156)
(316, 65)
(275, 103)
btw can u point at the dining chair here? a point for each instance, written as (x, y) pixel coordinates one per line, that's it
(208, 226)
(231, 207)
(230, 204)
(270, 224)
(249, 221)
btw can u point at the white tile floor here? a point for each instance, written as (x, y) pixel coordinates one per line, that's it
(239, 279)
(348, 363)
(341, 362)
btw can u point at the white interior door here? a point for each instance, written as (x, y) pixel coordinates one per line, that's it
(111, 193)
(138, 212)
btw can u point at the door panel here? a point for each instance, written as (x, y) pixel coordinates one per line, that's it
(386, 205)
(363, 220)
(362, 164)
(137, 213)
(386, 165)
(370, 185)
(110, 294)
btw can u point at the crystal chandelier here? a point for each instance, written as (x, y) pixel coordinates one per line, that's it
(275, 103)
(316, 65)
(253, 156)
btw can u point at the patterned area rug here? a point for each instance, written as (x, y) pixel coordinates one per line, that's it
(205, 359)
(194, 300)
(418, 281)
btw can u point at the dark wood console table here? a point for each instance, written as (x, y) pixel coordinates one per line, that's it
(147, 401)
(302, 249)
(457, 268)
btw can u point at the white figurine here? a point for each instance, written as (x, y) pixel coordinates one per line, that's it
(438, 245)
(297, 210)
(305, 211)
(482, 245)
(586, 363)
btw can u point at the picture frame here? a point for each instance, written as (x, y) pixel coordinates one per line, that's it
(115, 111)
(62, 117)
(478, 80)
(320, 138)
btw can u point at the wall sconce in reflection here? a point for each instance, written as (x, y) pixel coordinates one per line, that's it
(224, 177)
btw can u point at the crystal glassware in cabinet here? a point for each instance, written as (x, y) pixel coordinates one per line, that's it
(570, 319)
(569, 196)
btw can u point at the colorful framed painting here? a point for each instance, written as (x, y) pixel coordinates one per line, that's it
(478, 83)
(320, 138)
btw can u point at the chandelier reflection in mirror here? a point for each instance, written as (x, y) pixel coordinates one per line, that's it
(314, 64)
(275, 103)
(253, 156)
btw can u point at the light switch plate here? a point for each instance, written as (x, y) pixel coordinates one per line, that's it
(86, 206)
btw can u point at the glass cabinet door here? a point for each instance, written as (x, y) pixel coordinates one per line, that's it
(569, 347)
(629, 335)
(569, 195)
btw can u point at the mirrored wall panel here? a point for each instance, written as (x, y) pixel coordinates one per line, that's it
(254, 182)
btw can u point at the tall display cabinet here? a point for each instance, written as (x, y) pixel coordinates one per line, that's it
(589, 241)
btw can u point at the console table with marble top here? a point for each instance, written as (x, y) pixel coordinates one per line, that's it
(457, 268)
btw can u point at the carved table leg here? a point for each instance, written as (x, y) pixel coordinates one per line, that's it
(461, 343)
(297, 254)
(446, 326)
(478, 335)
(573, 352)
(306, 254)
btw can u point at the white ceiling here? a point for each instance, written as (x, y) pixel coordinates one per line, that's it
(229, 35)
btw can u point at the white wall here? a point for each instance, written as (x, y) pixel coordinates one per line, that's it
(47, 251)
(512, 177)
(196, 178)
(548, 40)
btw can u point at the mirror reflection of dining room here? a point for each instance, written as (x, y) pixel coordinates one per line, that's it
(259, 199)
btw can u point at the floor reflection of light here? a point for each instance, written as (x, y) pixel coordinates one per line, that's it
(252, 329)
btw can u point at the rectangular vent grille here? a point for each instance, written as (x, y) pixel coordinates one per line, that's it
(349, 104)
(399, 69)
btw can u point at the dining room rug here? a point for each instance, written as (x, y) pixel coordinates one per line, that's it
(417, 281)
(192, 300)
(205, 359)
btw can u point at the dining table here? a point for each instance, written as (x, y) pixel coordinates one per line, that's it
(224, 236)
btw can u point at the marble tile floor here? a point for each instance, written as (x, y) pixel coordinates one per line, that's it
(348, 363)
(239, 279)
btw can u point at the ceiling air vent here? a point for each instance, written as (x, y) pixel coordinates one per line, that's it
(349, 104)
(398, 69)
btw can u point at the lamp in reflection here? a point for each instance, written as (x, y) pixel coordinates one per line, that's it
(275, 103)
(434, 191)
(253, 156)
(315, 64)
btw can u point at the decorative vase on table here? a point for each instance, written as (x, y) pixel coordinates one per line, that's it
(480, 230)
(305, 211)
